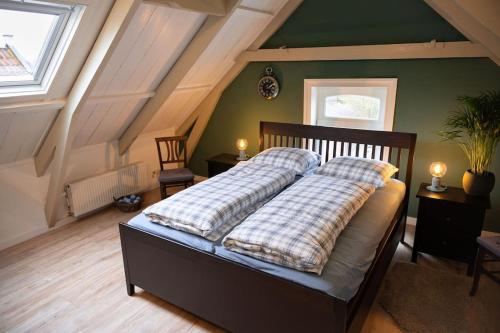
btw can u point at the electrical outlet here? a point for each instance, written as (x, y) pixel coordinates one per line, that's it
(155, 173)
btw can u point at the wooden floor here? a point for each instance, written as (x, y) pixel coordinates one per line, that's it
(72, 280)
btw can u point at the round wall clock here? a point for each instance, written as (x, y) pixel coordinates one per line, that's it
(268, 85)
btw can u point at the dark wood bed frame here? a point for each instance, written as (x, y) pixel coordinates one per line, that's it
(241, 299)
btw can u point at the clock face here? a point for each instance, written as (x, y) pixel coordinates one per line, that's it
(268, 87)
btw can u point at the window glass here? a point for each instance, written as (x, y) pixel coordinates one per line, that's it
(34, 36)
(23, 37)
(352, 107)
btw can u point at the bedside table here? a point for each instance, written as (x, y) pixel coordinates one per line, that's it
(220, 163)
(448, 224)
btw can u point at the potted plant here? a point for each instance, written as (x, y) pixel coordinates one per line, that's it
(475, 127)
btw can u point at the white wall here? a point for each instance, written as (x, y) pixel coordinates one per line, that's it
(22, 193)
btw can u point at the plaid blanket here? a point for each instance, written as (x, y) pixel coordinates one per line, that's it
(298, 228)
(212, 207)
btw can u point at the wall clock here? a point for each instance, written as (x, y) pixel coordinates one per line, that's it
(268, 86)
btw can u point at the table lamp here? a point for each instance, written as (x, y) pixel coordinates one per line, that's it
(437, 170)
(241, 145)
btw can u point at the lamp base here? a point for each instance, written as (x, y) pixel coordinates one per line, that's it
(243, 156)
(437, 189)
(436, 185)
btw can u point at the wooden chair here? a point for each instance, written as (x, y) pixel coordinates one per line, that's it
(176, 152)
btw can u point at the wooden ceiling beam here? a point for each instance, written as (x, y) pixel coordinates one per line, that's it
(207, 33)
(202, 114)
(477, 20)
(58, 142)
(209, 7)
(368, 52)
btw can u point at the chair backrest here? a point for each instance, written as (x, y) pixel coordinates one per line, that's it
(175, 150)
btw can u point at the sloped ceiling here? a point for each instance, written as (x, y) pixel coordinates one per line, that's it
(22, 132)
(23, 124)
(153, 41)
(236, 36)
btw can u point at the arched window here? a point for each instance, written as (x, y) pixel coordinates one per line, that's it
(350, 103)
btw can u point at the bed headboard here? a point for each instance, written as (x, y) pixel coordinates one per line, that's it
(394, 147)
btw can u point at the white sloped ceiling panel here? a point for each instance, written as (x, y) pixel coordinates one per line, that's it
(246, 23)
(151, 44)
(179, 104)
(21, 133)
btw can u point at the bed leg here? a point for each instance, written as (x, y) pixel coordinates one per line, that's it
(130, 289)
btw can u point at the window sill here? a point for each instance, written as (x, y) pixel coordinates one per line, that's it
(19, 91)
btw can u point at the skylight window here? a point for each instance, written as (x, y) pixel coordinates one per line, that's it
(33, 36)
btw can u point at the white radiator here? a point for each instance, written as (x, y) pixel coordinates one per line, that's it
(87, 195)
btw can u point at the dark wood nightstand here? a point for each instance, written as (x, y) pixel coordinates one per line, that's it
(220, 163)
(448, 224)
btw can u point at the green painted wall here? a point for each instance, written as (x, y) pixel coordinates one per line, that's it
(426, 92)
(358, 22)
(427, 89)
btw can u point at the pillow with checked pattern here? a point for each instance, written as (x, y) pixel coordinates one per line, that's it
(358, 169)
(302, 161)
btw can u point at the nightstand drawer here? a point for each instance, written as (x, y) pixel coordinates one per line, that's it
(447, 245)
(450, 216)
(448, 229)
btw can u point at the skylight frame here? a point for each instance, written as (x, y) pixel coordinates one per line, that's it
(40, 70)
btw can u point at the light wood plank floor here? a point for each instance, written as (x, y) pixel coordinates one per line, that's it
(72, 280)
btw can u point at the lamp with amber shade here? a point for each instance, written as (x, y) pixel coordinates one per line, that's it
(241, 145)
(437, 170)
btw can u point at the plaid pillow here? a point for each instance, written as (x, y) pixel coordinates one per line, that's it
(358, 169)
(300, 160)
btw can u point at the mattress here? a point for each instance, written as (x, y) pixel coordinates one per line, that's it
(353, 253)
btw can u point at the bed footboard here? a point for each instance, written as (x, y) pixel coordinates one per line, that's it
(225, 293)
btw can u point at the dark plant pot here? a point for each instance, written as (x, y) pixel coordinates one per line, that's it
(478, 184)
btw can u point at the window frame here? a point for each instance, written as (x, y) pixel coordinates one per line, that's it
(389, 83)
(54, 47)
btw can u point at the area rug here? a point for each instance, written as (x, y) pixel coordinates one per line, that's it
(426, 300)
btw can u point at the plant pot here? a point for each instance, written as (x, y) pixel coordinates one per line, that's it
(478, 184)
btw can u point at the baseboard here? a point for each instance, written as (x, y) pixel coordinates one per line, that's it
(4, 244)
(25, 236)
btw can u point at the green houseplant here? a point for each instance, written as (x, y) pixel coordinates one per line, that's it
(475, 127)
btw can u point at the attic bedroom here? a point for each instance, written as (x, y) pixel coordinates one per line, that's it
(249, 166)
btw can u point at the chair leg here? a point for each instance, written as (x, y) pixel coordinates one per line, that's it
(477, 271)
(163, 191)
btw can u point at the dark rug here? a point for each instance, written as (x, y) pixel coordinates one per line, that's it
(425, 300)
